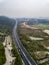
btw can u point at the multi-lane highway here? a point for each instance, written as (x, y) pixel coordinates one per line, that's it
(23, 52)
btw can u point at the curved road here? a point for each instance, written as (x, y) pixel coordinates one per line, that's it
(23, 52)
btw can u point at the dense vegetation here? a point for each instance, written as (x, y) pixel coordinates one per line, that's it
(2, 51)
(34, 46)
(6, 28)
(18, 60)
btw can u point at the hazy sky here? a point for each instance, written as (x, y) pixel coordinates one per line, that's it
(24, 8)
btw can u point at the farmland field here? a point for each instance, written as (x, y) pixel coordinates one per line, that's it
(41, 26)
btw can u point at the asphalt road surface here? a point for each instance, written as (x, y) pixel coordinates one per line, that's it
(23, 52)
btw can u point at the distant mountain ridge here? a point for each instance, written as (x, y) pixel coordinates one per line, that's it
(4, 19)
(34, 20)
(38, 21)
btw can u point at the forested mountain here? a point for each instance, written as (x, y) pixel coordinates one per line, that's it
(6, 23)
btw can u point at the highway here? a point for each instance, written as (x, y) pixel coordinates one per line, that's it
(23, 52)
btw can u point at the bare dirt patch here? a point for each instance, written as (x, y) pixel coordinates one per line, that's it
(8, 47)
(35, 38)
(27, 26)
(46, 31)
(40, 54)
